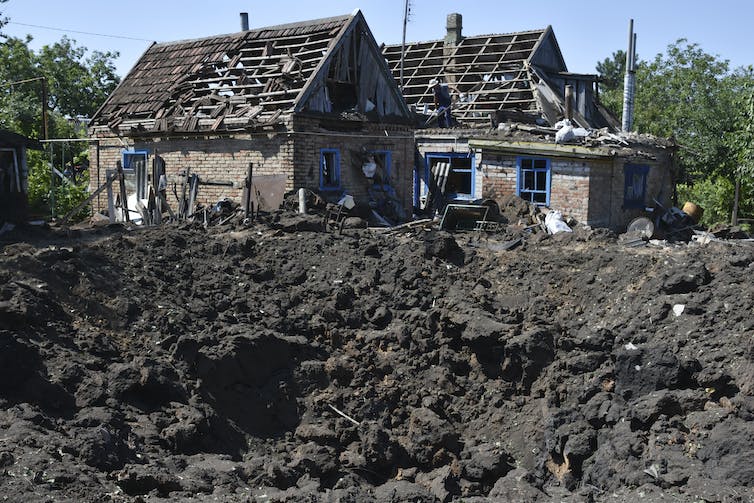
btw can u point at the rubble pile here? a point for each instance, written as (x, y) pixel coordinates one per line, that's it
(283, 363)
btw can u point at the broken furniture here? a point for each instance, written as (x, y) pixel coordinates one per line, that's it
(465, 217)
(335, 217)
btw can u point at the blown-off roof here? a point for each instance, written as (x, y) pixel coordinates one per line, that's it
(488, 72)
(230, 82)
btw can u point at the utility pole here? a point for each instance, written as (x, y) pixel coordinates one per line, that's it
(45, 134)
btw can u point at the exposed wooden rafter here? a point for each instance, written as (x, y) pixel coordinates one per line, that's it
(237, 80)
(487, 73)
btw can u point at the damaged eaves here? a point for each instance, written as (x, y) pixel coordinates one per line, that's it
(251, 79)
(602, 143)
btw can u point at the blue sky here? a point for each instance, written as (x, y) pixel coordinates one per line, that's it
(588, 31)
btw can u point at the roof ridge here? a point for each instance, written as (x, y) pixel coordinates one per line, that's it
(240, 34)
(538, 30)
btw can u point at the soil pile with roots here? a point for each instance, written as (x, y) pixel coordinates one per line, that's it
(280, 363)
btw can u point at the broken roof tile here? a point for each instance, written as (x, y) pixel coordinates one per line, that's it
(190, 69)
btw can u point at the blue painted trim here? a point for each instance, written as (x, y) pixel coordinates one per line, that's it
(322, 153)
(548, 181)
(128, 153)
(629, 172)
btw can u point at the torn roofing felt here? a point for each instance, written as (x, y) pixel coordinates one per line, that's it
(518, 77)
(255, 77)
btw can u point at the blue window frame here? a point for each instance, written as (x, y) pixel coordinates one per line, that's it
(135, 166)
(130, 158)
(533, 180)
(635, 188)
(460, 183)
(329, 169)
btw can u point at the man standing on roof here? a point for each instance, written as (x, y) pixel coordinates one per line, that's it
(443, 103)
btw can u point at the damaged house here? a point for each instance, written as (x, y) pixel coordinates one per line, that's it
(509, 92)
(311, 103)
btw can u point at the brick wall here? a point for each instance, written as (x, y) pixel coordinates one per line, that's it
(310, 138)
(222, 158)
(569, 182)
(589, 190)
(226, 158)
(660, 184)
(498, 175)
(569, 186)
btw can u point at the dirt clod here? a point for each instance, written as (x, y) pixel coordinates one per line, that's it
(282, 361)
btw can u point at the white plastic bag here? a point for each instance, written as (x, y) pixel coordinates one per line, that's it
(369, 168)
(564, 134)
(347, 201)
(554, 223)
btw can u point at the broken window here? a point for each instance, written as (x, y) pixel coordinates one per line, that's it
(533, 180)
(460, 183)
(135, 172)
(635, 189)
(329, 169)
(383, 160)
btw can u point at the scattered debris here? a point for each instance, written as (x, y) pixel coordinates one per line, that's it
(476, 365)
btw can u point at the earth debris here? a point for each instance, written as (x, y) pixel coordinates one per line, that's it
(272, 361)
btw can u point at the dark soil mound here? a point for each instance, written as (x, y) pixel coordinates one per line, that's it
(282, 363)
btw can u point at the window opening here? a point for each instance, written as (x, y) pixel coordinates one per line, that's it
(460, 183)
(135, 172)
(635, 189)
(534, 180)
(329, 169)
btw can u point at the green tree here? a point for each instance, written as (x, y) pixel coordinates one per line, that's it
(78, 82)
(694, 97)
(3, 20)
(612, 71)
(686, 93)
(20, 104)
(740, 139)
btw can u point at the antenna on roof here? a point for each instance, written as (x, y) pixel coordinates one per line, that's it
(406, 12)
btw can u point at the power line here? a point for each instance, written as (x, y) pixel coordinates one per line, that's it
(80, 32)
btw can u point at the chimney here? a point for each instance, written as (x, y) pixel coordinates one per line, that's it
(244, 21)
(629, 82)
(454, 25)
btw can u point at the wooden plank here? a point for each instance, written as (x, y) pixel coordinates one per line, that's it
(110, 200)
(216, 125)
(183, 201)
(193, 182)
(107, 185)
(122, 184)
(248, 205)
